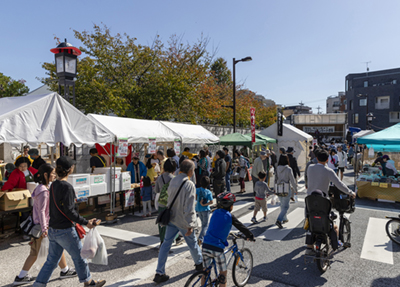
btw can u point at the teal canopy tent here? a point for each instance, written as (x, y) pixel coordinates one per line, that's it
(385, 140)
(239, 140)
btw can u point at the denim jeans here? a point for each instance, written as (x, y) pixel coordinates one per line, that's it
(228, 181)
(204, 216)
(61, 239)
(285, 201)
(170, 234)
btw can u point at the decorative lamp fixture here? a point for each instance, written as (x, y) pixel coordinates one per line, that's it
(66, 58)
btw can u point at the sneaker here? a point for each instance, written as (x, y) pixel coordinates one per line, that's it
(179, 241)
(285, 221)
(22, 281)
(265, 218)
(26, 237)
(199, 267)
(254, 220)
(70, 273)
(160, 278)
(94, 283)
(279, 224)
(310, 252)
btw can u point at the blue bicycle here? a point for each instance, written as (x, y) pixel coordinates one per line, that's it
(241, 269)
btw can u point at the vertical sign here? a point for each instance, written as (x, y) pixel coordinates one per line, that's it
(253, 124)
(177, 146)
(122, 147)
(152, 145)
(279, 122)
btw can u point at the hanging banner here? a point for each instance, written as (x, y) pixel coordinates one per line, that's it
(122, 147)
(253, 124)
(279, 122)
(177, 146)
(152, 146)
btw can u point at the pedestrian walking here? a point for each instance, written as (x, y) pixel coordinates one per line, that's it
(293, 162)
(62, 233)
(228, 160)
(40, 215)
(243, 171)
(202, 166)
(219, 173)
(261, 190)
(183, 219)
(342, 162)
(258, 166)
(146, 193)
(333, 161)
(204, 200)
(286, 179)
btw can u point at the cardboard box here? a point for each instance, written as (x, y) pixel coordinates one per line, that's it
(98, 189)
(82, 193)
(97, 179)
(79, 179)
(14, 199)
(125, 181)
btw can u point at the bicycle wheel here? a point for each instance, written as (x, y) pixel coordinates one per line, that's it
(322, 258)
(195, 279)
(241, 270)
(346, 233)
(393, 230)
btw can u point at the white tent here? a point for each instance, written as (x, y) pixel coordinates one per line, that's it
(363, 133)
(291, 137)
(192, 134)
(135, 130)
(47, 119)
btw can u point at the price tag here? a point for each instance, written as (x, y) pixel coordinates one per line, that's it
(374, 183)
(383, 185)
(395, 185)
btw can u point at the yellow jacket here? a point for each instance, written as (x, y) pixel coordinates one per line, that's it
(189, 154)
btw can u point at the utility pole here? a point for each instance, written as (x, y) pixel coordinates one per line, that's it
(319, 108)
(366, 63)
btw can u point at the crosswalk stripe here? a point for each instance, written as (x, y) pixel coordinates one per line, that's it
(275, 234)
(246, 219)
(377, 245)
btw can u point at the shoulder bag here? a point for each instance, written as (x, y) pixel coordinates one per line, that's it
(164, 216)
(79, 229)
(282, 189)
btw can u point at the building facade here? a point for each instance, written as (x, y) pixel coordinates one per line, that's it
(336, 104)
(375, 92)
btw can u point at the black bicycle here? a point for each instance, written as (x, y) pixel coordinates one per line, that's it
(393, 229)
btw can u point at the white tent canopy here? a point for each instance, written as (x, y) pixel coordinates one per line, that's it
(363, 133)
(192, 134)
(135, 130)
(47, 119)
(291, 137)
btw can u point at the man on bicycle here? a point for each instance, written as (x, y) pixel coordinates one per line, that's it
(217, 234)
(319, 178)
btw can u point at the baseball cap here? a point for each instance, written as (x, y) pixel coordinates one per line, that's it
(65, 162)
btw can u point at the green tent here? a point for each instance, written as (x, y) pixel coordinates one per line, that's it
(385, 140)
(240, 140)
(263, 137)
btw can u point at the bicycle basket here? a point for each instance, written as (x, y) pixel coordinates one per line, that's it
(342, 202)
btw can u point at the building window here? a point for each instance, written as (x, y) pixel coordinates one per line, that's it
(365, 84)
(394, 82)
(363, 102)
(382, 103)
(355, 118)
(394, 117)
(327, 105)
(350, 105)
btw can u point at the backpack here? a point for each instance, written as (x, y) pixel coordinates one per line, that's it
(247, 162)
(163, 193)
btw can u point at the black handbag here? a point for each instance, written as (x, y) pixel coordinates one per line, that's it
(30, 228)
(164, 216)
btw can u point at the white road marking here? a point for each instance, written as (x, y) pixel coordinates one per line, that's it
(246, 219)
(377, 245)
(275, 234)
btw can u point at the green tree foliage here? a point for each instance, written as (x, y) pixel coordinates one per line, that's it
(165, 81)
(12, 88)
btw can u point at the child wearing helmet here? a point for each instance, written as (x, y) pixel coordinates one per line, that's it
(217, 234)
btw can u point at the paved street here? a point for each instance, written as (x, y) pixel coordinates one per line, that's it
(132, 248)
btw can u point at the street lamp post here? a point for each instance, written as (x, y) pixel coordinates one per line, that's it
(234, 88)
(370, 117)
(66, 63)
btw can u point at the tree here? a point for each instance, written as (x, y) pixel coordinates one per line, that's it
(221, 72)
(12, 88)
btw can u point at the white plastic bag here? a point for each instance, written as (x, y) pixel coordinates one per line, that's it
(101, 255)
(43, 252)
(156, 200)
(90, 244)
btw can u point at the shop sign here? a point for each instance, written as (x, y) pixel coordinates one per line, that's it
(395, 185)
(383, 185)
(152, 146)
(326, 130)
(374, 183)
(177, 146)
(122, 147)
(253, 124)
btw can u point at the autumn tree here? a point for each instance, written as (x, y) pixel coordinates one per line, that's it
(12, 88)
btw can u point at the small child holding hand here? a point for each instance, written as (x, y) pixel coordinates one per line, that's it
(204, 200)
(261, 189)
(146, 193)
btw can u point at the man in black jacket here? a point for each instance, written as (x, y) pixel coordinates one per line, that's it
(37, 160)
(293, 162)
(219, 173)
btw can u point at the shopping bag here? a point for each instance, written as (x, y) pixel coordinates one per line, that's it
(43, 252)
(101, 255)
(129, 198)
(90, 245)
(156, 200)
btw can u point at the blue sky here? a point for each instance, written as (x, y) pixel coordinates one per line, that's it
(301, 50)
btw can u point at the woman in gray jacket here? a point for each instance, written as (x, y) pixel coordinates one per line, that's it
(285, 175)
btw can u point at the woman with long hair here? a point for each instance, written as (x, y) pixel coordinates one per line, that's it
(243, 170)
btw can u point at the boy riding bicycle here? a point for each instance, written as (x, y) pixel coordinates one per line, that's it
(215, 240)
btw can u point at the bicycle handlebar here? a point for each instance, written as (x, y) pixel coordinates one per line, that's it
(239, 235)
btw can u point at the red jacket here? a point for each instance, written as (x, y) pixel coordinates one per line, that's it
(17, 179)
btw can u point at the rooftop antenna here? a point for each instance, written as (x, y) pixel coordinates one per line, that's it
(319, 108)
(366, 63)
(301, 104)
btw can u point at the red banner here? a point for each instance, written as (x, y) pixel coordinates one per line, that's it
(253, 124)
